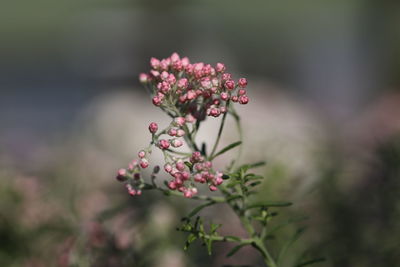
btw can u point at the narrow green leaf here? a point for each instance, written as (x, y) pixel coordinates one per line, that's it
(268, 204)
(209, 246)
(191, 238)
(227, 148)
(255, 183)
(214, 227)
(310, 262)
(204, 149)
(233, 197)
(295, 237)
(235, 249)
(199, 208)
(225, 176)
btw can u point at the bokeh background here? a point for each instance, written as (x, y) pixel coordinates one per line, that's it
(324, 83)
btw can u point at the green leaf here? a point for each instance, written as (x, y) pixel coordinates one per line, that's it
(189, 164)
(225, 176)
(295, 237)
(203, 149)
(268, 204)
(214, 227)
(191, 238)
(225, 149)
(199, 208)
(255, 183)
(310, 262)
(209, 246)
(235, 249)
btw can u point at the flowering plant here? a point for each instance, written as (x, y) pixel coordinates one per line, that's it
(189, 93)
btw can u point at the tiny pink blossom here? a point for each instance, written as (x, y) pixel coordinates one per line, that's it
(180, 133)
(224, 96)
(220, 67)
(168, 168)
(179, 121)
(183, 83)
(226, 76)
(190, 119)
(163, 144)
(176, 143)
(154, 63)
(175, 57)
(143, 77)
(213, 188)
(144, 163)
(172, 185)
(234, 98)
(141, 154)
(180, 165)
(157, 101)
(172, 131)
(229, 84)
(153, 127)
(241, 92)
(242, 82)
(243, 99)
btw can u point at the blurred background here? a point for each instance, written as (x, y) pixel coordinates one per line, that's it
(324, 83)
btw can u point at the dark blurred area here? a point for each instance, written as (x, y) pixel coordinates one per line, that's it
(324, 83)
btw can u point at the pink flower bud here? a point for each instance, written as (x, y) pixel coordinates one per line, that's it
(213, 188)
(172, 132)
(183, 83)
(190, 119)
(153, 127)
(122, 172)
(121, 176)
(144, 163)
(224, 96)
(157, 101)
(171, 79)
(172, 185)
(229, 84)
(163, 144)
(143, 77)
(176, 143)
(226, 76)
(185, 176)
(179, 121)
(188, 194)
(180, 165)
(164, 75)
(141, 154)
(220, 67)
(234, 98)
(185, 61)
(175, 57)
(243, 99)
(155, 73)
(180, 133)
(154, 63)
(241, 92)
(168, 168)
(191, 94)
(223, 109)
(242, 82)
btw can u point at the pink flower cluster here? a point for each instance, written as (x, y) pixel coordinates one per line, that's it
(198, 89)
(188, 93)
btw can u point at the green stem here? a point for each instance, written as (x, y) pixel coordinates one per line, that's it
(221, 127)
